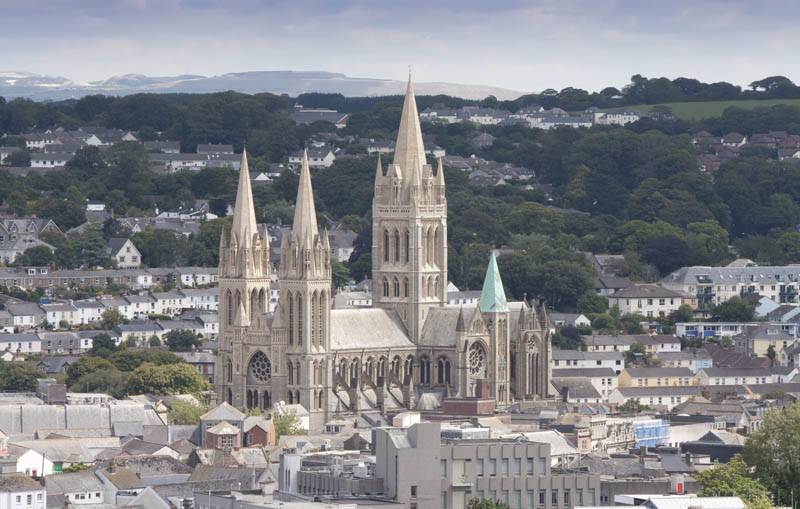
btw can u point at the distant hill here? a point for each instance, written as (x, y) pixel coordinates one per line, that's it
(293, 83)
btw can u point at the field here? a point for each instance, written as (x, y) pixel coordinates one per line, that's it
(706, 109)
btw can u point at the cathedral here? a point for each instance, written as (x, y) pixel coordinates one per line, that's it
(410, 349)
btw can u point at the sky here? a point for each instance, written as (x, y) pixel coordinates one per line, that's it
(520, 45)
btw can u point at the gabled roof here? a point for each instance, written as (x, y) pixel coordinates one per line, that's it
(223, 412)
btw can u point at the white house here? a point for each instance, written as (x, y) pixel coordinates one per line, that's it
(201, 298)
(170, 303)
(575, 359)
(59, 313)
(124, 253)
(23, 343)
(668, 397)
(651, 301)
(50, 159)
(78, 488)
(746, 376)
(604, 380)
(20, 491)
(317, 158)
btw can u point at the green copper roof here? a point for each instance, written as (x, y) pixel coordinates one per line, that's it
(493, 297)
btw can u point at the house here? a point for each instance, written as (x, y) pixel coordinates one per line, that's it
(603, 380)
(310, 115)
(203, 362)
(60, 343)
(575, 359)
(61, 315)
(714, 285)
(342, 243)
(164, 147)
(25, 315)
(570, 320)
(171, 163)
(609, 285)
(577, 390)
(21, 491)
(623, 343)
(169, 303)
(23, 343)
(379, 146)
(656, 377)
(200, 298)
(649, 300)
(124, 253)
(82, 488)
(734, 139)
(214, 148)
(664, 396)
(746, 376)
(694, 360)
(317, 158)
(760, 339)
(45, 457)
(50, 159)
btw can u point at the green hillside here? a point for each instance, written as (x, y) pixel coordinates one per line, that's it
(707, 109)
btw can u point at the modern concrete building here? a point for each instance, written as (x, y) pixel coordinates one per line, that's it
(423, 471)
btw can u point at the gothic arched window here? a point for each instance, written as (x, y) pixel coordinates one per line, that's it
(290, 301)
(385, 287)
(386, 245)
(299, 319)
(396, 288)
(405, 287)
(407, 246)
(396, 246)
(229, 303)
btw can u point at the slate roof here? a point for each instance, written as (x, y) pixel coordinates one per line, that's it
(646, 292)
(17, 483)
(563, 355)
(440, 326)
(223, 412)
(358, 329)
(659, 372)
(674, 390)
(74, 482)
(584, 372)
(576, 388)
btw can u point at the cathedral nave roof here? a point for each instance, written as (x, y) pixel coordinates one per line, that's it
(367, 328)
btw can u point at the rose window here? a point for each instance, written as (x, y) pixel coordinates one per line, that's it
(477, 361)
(260, 367)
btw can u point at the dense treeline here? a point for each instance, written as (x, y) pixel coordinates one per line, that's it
(633, 190)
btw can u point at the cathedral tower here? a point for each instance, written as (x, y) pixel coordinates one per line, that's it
(303, 316)
(249, 369)
(409, 228)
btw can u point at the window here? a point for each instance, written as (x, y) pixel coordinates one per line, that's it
(529, 466)
(504, 467)
(414, 490)
(542, 499)
(479, 468)
(29, 499)
(443, 466)
(444, 500)
(518, 466)
(516, 499)
(19, 499)
(554, 498)
(566, 498)
(493, 467)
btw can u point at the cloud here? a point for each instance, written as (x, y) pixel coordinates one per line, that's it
(517, 44)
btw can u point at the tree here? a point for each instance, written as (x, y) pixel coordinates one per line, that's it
(128, 360)
(36, 256)
(684, 313)
(103, 346)
(734, 309)
(166, 379)
(592, 302)
(85, 365)
(732, 479)
(635, 354)
(107, 380)
(111, 318)
(771, 354)
(667, 253)
(486, 503)
(633, 406)
(185, 412)
(341, 274)
(154, 341)
(772, 452)
(286, 424)
(568, 338)
(76, 467)
(181, 340)
(18, 377)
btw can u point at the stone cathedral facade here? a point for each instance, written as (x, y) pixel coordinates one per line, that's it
(410, 350)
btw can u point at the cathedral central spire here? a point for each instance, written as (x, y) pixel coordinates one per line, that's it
(305, 227)
(244, 213)
(409, 152)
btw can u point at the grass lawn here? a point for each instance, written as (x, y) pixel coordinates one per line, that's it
(706, 109)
